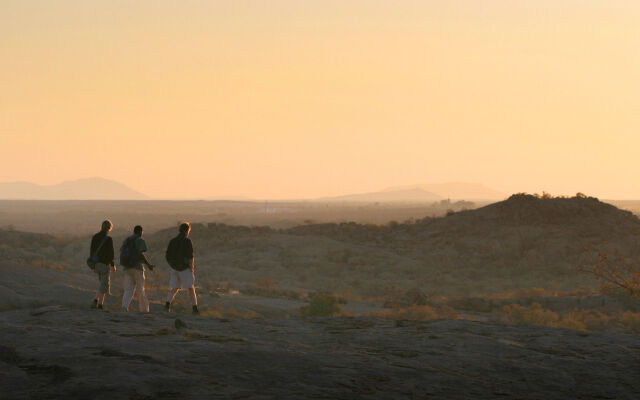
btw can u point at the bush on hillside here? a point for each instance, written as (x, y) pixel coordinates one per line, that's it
(322, 305)
(613, 272)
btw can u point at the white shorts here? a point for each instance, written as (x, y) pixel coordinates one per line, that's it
(181, 279)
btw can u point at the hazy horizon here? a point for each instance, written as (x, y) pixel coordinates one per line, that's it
(294, 99)
(454, 191)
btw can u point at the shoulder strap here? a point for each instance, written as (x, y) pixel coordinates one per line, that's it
(104, 240)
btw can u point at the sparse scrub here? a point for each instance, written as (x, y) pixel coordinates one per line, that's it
(535, 315)
(597, 320)
(518, 294)
(614, 272)
(629, 322)
(232, 313)
(322, 305)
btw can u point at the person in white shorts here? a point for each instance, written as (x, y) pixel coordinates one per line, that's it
(179, 255)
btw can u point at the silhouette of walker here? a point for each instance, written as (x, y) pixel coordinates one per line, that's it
(133, 259)
(101, 262)
(179, 255)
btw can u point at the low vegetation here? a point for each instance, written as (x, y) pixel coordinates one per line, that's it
(596, 320)
(614, 272)
(322, 305)
(512, 261)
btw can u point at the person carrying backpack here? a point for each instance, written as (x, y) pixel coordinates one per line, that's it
(133, 259)
(179, 255)
(101, 262)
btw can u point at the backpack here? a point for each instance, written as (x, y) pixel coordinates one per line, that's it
(129, 252)
(175, 254)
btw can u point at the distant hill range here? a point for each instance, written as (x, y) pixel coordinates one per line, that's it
(455, 191)
(408, 195)
(81, 189)
(425, 193)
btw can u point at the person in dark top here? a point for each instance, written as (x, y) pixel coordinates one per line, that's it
(179, 255)
(134, 278)
(102, 246)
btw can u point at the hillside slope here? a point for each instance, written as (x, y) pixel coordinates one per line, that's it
(522, 242)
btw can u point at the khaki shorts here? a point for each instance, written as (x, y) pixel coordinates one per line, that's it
(104, 277)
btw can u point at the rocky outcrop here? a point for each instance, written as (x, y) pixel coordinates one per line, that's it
(89, 354)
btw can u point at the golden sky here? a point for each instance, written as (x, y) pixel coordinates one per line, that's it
(300, 98)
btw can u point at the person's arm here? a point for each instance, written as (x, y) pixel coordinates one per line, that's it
(169, 251)
(110, 254)
(145, 260)
(189, 253)
(142, 248)
(92, 247)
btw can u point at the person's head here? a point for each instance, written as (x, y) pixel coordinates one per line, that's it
(107, 226)
(185, 228)
(137, 230)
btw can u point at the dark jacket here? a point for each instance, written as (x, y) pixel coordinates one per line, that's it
(179, 252)
(105, 255)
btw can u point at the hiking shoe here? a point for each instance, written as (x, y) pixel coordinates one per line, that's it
(94, 304)
(195, 310)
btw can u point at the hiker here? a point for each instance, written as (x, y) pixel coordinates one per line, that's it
(101, 258)
(179, 255)
(133, 259)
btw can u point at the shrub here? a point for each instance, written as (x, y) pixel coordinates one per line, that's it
(321, 305)
(534, 315)
(614, 273)
(630, 322)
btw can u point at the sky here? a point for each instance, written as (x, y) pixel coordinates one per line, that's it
(297, 98)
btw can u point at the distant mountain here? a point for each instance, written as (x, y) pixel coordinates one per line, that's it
(455, 191)
(425, 193)
(81, 189)
(396, 196)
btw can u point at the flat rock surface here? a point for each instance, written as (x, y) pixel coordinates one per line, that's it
(66, 353)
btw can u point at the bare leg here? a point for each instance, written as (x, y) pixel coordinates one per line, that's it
(172, 295)
(192, 296)
(143, 302)
(129, 288)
